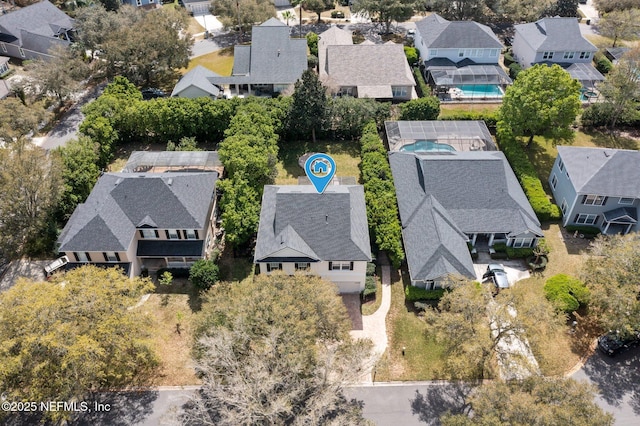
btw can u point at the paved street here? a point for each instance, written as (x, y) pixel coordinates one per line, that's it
(618, 380)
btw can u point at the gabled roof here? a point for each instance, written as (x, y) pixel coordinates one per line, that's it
(368, 65)
(438, 33)
(334, 36)
(554, 34)
(442, 197)
(328, 226)
(602, 171)
(272, 58)
(197, 77)
(121, 202)
(41, 19)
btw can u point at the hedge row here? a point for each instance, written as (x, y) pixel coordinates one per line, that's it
(413, 294)
(490, 118)
(380, 195)
(422, 87)
(526, 174)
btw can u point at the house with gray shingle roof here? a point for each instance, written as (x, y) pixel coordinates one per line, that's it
(556, 41)
(142, 221)
(324, 234)
(273, 62)
(196, 84)
(459, 56)
(597, 187)
(450, 201)
(365, 70)
(31, 32)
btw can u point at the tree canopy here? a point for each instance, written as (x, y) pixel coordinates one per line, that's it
(535, 401)
(619, 25)
(385, 11)
(275, 350)
(427, 108)
(309, 107)
(543, 101)
(621, 88)
(73, 335)
(18, 119)
(318, 6)
(242, 14)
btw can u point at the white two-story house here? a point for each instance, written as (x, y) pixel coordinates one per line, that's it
(322, 234)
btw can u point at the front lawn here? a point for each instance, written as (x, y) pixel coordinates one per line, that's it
(346, 154)
(449, 109)
(423, 357)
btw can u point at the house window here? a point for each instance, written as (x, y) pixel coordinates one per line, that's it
(149, 234)
(21, 52)
(560, 164)
(594, 200)
(569, 55)
(554, 181)
(303, 266)
(480, 53)
(399, 91)
(111, 256)
(585, 55)
(586, 219)
(547, 55)
(493, 53)
(341, 266)
(172, 234)
(626, 201)
(522, 242)
(346, 91)
(272, 266)
(139, 2)
(468, 52)
(82, 256)
(433, 53)
(191, 234)
(4, 48)
(460, 53)
(564, 207)
(429, 285)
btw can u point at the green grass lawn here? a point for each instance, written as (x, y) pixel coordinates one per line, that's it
(449, 109)
(220, 62)
(345, 153)
(423, 357)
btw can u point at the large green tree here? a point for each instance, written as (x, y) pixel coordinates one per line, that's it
(611, 275)
(620, 25)
(427, 108)
(318, 6)
(309, 107)
(524, 10)
(385, 11)
(536, 401)
(18, 120)
(606, 6)
(276, 350)
(73, 335)
(543, 101)
(621, 88)
(31, 186)
(242, 14)
(459, 10)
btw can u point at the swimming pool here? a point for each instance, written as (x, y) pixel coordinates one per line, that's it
(427, 146)
(481, 91)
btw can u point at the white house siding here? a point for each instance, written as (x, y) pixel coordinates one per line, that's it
(558, 57)
(479, 56)
(564, 192)
(347, 281)
(522, 51)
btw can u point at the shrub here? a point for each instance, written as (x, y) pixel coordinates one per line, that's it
(312, 61)
(371, 269)
(203, 274)
(519, 253)
(422, 87)
(603, 64)
(312, 42)
(490, 118)
(337, 14)
(590, 231)
(526, 174)
(175, 272)
(412, 55)
(369, 287)
(508, 59)
(566, 293)
(499, 255)
(514, 70)
(427, 108)
(500, 247)
(413, 294)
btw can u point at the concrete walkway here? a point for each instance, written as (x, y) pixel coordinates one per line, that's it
(374, 326)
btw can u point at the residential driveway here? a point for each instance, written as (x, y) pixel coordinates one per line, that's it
(515, 269)
(22, 268)
(618, 382)
(589, 10)
(352, 303)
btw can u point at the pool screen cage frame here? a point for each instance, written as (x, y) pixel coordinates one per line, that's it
(462, 135)
(449, 76)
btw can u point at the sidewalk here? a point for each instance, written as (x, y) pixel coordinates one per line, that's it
(374, 326)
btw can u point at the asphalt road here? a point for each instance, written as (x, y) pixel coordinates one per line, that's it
(618, 380)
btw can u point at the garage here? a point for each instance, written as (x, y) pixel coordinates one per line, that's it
(349, 286)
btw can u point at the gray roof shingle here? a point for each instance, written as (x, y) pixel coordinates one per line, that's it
(554, 34)
(197, 77)
(121, 202)
(603, 171)
(438, 33)
(327, 226)
(442, 197)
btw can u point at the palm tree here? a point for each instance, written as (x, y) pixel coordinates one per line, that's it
(287, 14)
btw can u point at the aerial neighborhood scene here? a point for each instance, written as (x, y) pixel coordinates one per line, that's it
(320, 212)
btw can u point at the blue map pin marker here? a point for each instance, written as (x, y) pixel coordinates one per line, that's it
(320, 169)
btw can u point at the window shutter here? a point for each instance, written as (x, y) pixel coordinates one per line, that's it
(117, 257)
(604, 202)
(141, 234)
(584, 199)
(76, 256)
(166, 233)
(330, 265)
(156, 232)
(279, 266)
(179, 234)
(88, 256)
(576, 218)
(106, 259)
(595, 222)
(351, 266)
(196, 231)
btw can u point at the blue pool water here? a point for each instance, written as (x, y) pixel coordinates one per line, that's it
(481, 90)
(427, 146)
